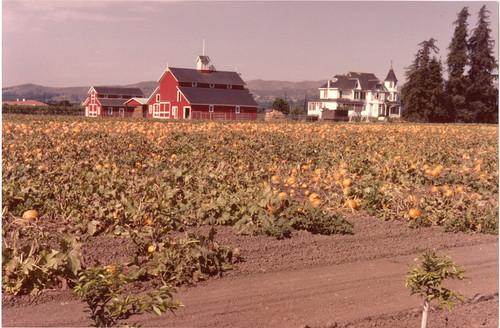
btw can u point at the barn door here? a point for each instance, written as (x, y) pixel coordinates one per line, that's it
(187, 112)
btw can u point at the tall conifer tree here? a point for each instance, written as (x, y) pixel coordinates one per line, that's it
(435, 89)
(482, 96)
(422, 94)
(456, 85)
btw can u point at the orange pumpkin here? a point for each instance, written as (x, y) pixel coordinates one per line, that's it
(413, 213)
(351, 203)
(30, 215)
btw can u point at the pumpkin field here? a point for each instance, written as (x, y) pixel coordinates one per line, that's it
(164, 188)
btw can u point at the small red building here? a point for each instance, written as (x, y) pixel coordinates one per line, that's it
(111, 101)
(202, 93)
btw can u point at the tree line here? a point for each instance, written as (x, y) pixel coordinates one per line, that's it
(469, 95)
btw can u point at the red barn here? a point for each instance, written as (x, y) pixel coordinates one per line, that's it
(110, 101)
(201, 93)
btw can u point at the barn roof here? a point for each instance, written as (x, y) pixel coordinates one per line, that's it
(212, 96)
(141, 101)
(112, 101)
(216, 77)
(118, 91)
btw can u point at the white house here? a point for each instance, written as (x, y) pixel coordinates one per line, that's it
(362, 94)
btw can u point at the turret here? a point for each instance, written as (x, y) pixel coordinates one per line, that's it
(391, 81)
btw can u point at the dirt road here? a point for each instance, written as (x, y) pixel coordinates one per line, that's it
(289, 284)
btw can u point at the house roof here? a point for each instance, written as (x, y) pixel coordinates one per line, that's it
(391, 76)
(193, 75)
(118, 91)
(367, 81)
(210, 96)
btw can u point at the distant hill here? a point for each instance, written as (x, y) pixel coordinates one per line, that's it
(264, 91)
(44, 94)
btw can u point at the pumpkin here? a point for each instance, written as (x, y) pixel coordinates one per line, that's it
(30, 215)
(413, 213)
(351, 203)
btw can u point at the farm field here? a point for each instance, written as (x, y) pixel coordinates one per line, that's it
(213, 207)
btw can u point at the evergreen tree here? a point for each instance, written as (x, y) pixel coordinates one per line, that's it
(481, 96)
(435, 88)
(457, 60)
(423, 94)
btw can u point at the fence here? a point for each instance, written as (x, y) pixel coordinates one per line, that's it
(223, 116)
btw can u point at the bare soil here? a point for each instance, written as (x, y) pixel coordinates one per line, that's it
(307, 280)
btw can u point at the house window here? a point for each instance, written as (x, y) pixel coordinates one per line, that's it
(238, 109)
(178, 96)
(174, 111)
(395, 110)
(194, 84)
(122, 112)
(211, 108)
(110, 110)
(229, 86)
(158, 97)
(212, 85)
(325, 93)
(150, 109)
(340, 93)
(363, 95)
(380, 109)
(356, 95)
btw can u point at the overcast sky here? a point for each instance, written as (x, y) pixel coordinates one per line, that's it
(81, 43)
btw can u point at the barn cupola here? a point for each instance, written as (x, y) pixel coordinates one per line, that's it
(202, 64)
